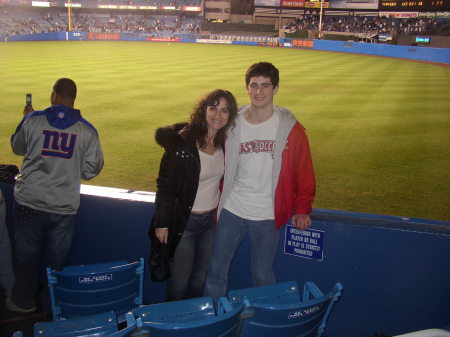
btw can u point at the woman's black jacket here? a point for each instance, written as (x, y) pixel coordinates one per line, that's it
(177, 182)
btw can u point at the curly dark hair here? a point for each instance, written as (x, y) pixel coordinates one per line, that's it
(198, 118)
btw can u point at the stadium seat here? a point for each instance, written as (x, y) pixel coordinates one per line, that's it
(191, 318)
(86, 290)
(100, 325)
(278, 310)
(96, 325)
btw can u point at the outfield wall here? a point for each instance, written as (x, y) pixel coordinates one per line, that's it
(395, 271)
(441, 55)
(419, 53)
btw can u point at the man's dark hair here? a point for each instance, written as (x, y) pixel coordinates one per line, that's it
(264, 69)
(65, 87)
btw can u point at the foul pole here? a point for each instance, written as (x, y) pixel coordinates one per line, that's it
(69, 14)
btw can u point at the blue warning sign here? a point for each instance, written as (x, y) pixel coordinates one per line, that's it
(307, 243)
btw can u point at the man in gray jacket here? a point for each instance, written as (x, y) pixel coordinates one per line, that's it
(59, 148)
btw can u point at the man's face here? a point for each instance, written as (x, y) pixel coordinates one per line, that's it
(261, 91)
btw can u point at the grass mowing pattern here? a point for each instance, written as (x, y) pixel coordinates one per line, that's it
(378, 127)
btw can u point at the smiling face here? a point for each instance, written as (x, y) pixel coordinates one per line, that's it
(217, 116)
(261, 92)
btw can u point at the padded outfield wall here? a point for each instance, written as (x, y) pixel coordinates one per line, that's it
(395, 271)
(418, 53)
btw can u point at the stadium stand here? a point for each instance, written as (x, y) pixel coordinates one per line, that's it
(371, 24)
(27, 20)
(31, 21)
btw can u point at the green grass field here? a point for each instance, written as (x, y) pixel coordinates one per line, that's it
(379, 128)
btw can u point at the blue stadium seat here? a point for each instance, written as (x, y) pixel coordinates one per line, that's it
(96, 325)
(86, 290)
(279, 310)
(191, 318)
(100, 325)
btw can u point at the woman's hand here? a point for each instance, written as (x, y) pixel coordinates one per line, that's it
(162, 234)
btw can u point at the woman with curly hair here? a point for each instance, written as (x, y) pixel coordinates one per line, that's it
(188, 190)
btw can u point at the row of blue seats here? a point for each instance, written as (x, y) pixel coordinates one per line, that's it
(106, 300)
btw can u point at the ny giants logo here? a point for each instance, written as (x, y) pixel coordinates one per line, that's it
(258, 146)
(58, 144)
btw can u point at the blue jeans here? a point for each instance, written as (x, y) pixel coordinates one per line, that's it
(6, 268)
(37, 233)
(231, 230)
(190, 262)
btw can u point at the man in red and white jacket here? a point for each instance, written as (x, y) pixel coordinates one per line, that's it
(269, 179)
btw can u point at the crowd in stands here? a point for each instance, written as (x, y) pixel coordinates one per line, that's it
(102, 23)
(32, 22)
(369, 24)
(136, 24)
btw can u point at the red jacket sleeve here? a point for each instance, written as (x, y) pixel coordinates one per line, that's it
(303, 172)
(296, 186)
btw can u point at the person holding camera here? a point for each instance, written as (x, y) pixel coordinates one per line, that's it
(59, 148)
(188, 190)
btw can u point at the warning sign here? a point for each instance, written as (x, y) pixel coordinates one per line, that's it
(307, 243)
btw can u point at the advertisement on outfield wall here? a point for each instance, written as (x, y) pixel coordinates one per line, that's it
(102, 36)
(162, 39)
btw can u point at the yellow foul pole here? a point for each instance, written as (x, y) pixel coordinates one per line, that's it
(69, 14)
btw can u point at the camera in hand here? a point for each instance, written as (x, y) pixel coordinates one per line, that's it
(28, 100)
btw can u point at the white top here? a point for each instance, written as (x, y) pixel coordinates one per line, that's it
(251, 194)
(212, 169)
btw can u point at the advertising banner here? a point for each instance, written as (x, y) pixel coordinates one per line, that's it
(267, 3)
(102, 36)
(354, 4)
(214, 41)
(317, 4)
(292, 3)
(399, 15)
(163, 39)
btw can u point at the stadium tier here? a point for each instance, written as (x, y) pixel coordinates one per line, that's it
(16, 21)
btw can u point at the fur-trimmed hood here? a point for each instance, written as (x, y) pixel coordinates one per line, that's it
(172, 136)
